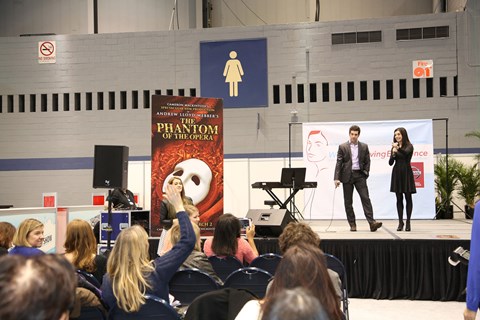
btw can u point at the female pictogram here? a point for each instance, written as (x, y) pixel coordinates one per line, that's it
(233, 73)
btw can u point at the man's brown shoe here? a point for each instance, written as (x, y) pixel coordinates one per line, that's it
(374, 226)
(353, 227)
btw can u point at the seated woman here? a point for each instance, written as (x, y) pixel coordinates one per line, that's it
(196, 259)
(168, 213)
(81, 249)
(131, 274)
(7, 231)
(28, 238)
(303, 265)
(194, 216)
(226, 240)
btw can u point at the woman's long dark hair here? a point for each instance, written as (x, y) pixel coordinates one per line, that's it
(227, 231)
(304, 265)
(405, 140)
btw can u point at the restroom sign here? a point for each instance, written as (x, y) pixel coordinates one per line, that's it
(47, 52)
(422, 69)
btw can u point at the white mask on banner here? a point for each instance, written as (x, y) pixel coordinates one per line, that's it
(196, 177)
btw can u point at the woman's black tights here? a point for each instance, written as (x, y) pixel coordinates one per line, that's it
(409, 207)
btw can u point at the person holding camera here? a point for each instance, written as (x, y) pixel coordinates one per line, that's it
(402, 182)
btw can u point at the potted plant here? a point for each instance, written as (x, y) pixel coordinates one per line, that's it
(446, 179)
(469, 187)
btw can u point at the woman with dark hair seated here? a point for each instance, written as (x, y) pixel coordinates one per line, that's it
(81, 249)
(226, 240)
(7, 231)
(302, 265)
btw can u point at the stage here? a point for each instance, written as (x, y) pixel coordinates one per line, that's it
(387, 264)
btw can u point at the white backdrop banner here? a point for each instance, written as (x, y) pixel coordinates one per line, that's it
(320, 146)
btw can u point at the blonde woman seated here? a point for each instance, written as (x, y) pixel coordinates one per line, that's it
(196, 259)
(226, 240)
(81, 249)
(130, 273)
(28, 238)
(194, 216)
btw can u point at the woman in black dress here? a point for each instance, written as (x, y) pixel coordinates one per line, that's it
(403, 182)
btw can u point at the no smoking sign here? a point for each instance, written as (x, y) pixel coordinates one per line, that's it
(47, 52)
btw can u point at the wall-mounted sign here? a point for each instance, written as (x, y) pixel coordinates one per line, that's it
(47, 52)
(422, 69)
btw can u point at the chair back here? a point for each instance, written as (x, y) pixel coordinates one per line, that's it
(89, 277)
(154, 308)
(91, 313)
(188, 284)
(267, 262)
(333, 263)
(250, 278)
(224, 266)
(221, 304)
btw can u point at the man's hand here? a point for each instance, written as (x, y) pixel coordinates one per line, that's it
(469, 314)
(337, 183)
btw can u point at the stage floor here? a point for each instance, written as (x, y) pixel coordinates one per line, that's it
(445, 229)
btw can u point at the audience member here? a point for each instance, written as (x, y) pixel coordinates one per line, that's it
(28, 238)
(167, 210)
(81, 248)
(7, 231)
(196, 259)
(226, 240)
(297, 232)
(122, 199)
(194, 216)
(130, 273)
(303, 265)
(297, 303)
(36, 288)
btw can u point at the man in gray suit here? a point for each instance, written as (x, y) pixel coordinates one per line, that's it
(352, 169)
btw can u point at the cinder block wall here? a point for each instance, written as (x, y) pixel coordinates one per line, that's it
(118, 73)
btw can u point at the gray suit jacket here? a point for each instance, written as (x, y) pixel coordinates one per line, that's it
(343, 168)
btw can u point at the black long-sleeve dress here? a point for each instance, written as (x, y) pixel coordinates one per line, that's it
(402, 174)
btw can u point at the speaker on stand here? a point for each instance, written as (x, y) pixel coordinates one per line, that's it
(110, 170)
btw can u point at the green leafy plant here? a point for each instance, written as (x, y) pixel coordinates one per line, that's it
(469, 187)
(446, 181)
(475, 134)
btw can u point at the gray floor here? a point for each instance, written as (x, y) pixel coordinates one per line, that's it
(370, 309)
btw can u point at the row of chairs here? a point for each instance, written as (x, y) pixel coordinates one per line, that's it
(224, 266)
(186, 285)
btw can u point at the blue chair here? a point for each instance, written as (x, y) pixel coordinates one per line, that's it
(250, 278)
(91, 313)
(90, 278)
(154, 308)
(224, 266)
(267, 262)
(188, 284)
(333, 263)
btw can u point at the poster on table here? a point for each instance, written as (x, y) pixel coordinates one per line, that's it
(187, 142)
(320, 146)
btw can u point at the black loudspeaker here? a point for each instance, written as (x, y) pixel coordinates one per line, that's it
(269, 222)
(110, 169)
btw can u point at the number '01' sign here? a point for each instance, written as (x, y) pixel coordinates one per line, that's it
(422, 69)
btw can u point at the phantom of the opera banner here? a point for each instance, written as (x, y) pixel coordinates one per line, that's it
(187, 142)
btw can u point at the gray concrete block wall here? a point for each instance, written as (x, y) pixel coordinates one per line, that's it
(151, 61)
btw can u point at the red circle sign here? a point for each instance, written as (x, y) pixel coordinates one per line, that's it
(47, 49)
